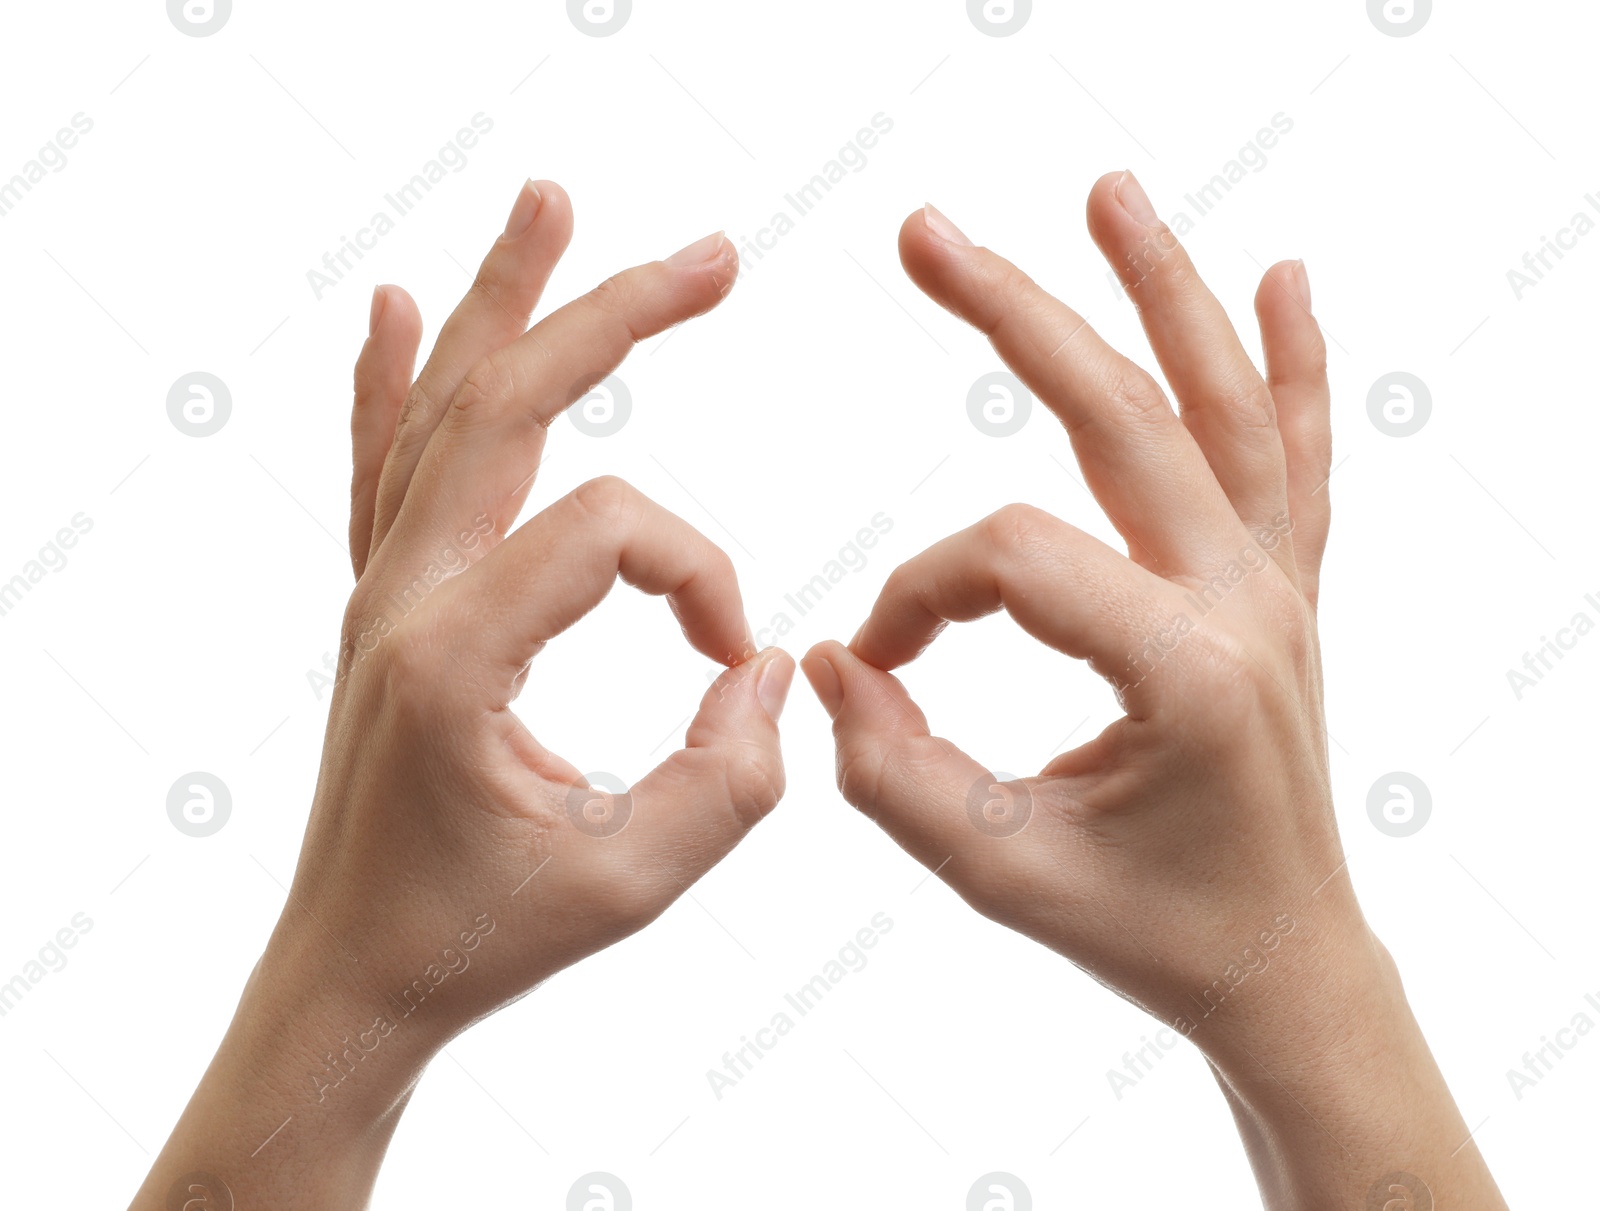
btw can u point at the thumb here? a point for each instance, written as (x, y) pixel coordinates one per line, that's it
(914, 785)
(698, 804)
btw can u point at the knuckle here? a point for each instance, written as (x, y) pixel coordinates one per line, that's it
(359, 615)
(1321, 446)
(363, 493)
(387, 637)
(628, 901)
(1014, 304)
(617, 300)
(870, 771)
(1234, 684)
(1286, 616)
(1243, 681)
(412, 409)
(903, 584)
(716, 568)
(488, 284)
(755, 783)
(1307, 365)
(901, 579)
(410, 663)
(890, 781)
(1132, 396)
(859, 775)
(1308, 444)
(1245, 397)
(366, 383)
(1016, 529)
(606, 499)
(1177, 274)
(487, 384)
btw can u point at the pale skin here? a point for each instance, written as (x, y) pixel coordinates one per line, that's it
(434, 804)
(449, 852)
(1157, 853)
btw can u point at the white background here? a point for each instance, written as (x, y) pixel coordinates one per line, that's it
(180, 634)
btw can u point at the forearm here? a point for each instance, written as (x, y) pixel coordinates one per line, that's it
(297, 1107)
(1337, 1096)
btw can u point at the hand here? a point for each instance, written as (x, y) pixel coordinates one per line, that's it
(451, 862)
(1188, 856)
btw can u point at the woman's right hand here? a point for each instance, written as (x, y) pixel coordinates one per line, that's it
(451, 862)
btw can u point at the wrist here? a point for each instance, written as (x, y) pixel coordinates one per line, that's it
(1336, 1040)
(1330, 993)
(324, 1029)
(298, 1105)
(1333, 1086)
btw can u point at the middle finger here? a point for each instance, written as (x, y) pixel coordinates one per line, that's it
(1224, 401)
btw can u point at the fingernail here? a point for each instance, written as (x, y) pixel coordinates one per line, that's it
(697, 253)
(943, 227)
(825, 683)
(527, 205)
(380, 300)
(772, 684)
(1134, 200)
(1302, 284)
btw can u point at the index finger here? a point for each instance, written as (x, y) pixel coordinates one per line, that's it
(1064, 587)
(483, 458)
(1139, 461)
